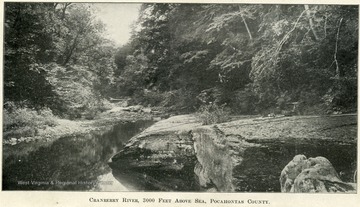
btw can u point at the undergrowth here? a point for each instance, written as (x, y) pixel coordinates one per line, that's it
(25, 122)
(212, 113)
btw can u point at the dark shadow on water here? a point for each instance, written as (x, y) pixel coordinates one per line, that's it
(153, 179)
(69, 163)
(260, 170)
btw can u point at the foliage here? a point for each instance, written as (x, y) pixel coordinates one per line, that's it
(74, 86)
(254, 58)
(258, 57)
(56, 57)
(243, 101)
(24, 122)
(212, 113)
(186, 104)
(295, 59)
(121, 58)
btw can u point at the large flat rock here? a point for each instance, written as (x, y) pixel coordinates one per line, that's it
(160, 158)
(336, 127)
(244, 155)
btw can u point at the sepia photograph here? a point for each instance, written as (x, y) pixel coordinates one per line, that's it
(182, 97)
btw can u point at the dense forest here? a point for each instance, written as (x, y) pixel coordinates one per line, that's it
(245, 58)
(251, 58)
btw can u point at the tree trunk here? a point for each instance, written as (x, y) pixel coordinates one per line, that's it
(311, 23)
(337, 72)
(246, 26)
(72, 48)
(64, 10)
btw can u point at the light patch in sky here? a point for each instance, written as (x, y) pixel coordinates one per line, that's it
(118, 18)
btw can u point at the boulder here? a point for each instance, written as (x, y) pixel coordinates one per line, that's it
(136, 108)
(291, 171)
(13, 141)
(146, 110)
(249, 154)
(313, 175)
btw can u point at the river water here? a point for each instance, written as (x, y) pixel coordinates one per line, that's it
(71, 163)
(80, 163)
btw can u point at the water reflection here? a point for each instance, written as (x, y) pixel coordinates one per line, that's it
(71, 163)
(108, 183)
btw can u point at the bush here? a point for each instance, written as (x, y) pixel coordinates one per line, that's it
(23, 122)
(178, 101)
(21, 132)
(343, 96)
(213, 113)
(151, 98)
(181, 100)
(105, 105)
(243, 101)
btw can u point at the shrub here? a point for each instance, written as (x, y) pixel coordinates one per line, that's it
(181, 100)
(105, 105)
(243, 101)
(46, 117)
(152, 98)
(212, 113)
(23, 122)
(21, 132)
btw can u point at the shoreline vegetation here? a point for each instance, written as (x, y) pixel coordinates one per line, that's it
(45, 134)
(51, 127)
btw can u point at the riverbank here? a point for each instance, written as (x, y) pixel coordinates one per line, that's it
(76, 162)
(65, 128)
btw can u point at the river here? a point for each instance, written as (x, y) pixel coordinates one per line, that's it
(74, 163)
(80, 163)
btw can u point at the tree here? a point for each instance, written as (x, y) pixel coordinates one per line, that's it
(295, 58)
(120, 58)
(28, 40)
(46, 44)
(264, 55)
